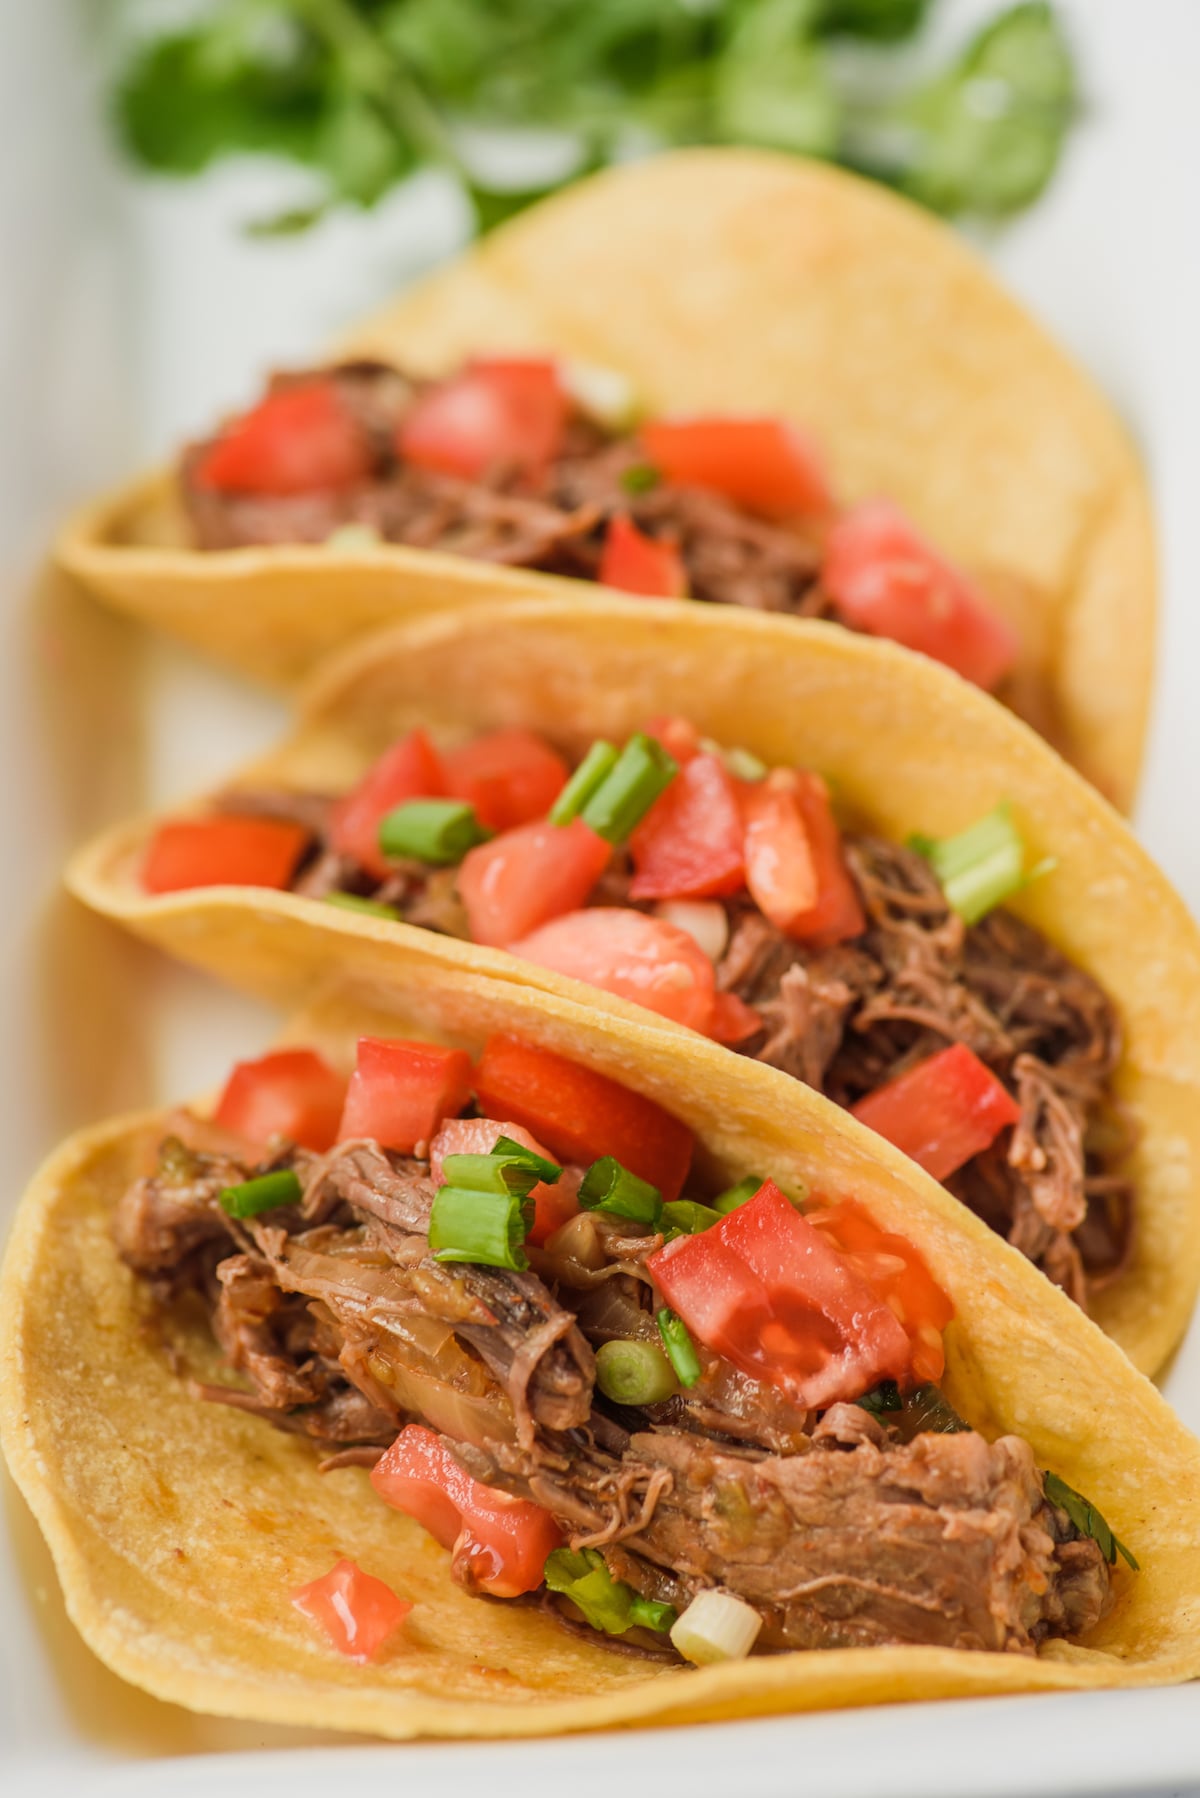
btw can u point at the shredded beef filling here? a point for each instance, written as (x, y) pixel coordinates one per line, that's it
(839, 1530)
(848, 1019)
(555, 522)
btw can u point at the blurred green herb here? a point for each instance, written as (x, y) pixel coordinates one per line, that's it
(363, 93)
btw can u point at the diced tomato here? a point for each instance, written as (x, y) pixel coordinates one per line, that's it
(795, 867)
(894, 1269)
(638, 957)
(494, 414)
(299, 439)
(555, 1204)
(760, 463)
(732, 1020)
(356, 1611)
(582, 1114)
(942, 1112)
(511, 777)
(690, 844)
(225, 851)
(633, 562)
(499, 1543)
(410, 769)
(293, 1093)
(769, 1292)
(679, 738)
(527, 876)
(400, 1091)
(884, 577)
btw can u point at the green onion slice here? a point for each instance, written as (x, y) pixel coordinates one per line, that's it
(485, 1227)
(743, 764)
(596, 765)
(503, 1174)
(642, 771)
(733, 1196)
(689, 1217)
(634, 1373)
(982, 866)
(640, 477)
(516, 1151)
(607, 1603)
(372, 907)
(439, 831)
(264, 1194)
(681, 1350)
(1087, 1519)
(607, 1186)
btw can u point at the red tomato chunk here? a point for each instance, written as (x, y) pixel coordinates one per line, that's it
(496, 414)
(498, 1543)
(293, 1093)
(356, 1611)
(300, 439)
(763, 464)
(885, 578)
(795, 866)
(527, 876)
(400, 1091)
(768, 1291)
(510, 777)
(225, 851)
(942, 1112)
(894, 1269)
(639, 958)
(690, 844)
(635, 563)
(581, 1114)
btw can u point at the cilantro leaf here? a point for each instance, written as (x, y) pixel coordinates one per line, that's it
(1087, 1519)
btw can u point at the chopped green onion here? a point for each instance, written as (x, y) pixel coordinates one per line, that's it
(596, 765)
(743, 764)
(982, 866)
(516, 1151)
(607, 1186)
(439, 831)
(634, 1373)
(264, 1194)
(1087, 1519)
(372, 907)
(881, 1399)
(688, 1217)
(490, 1173)
(716, 1627)
(681, 1350)
(741, 1194)
(640, 477)
(642, 771)
(608, 1604)
(486, 1227)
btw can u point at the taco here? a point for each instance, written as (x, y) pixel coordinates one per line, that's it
(1013, 999)
(989, 508)
(686, 1367)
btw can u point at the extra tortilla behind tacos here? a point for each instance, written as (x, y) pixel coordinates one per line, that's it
(907, 748)
(179, 1527)
(740, 281)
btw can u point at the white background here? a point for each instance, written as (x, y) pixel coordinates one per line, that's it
(129, 315)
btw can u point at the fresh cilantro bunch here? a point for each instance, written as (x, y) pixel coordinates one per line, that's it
(366, 92)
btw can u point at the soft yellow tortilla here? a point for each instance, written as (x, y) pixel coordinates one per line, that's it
(907, 747)
(740, 280)
(179, 1527)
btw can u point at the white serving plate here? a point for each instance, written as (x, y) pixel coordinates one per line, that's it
(126, 319)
